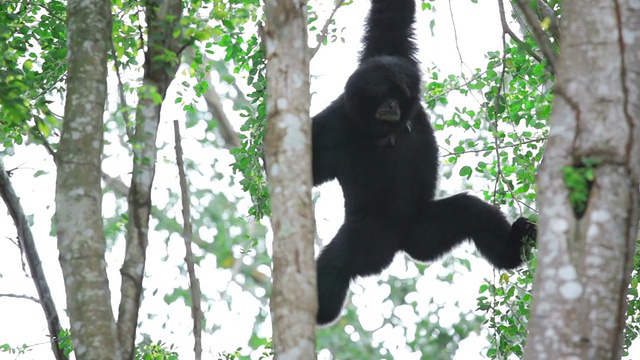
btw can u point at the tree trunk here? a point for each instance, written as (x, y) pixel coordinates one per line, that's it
(163, 18)
(81, 240)
(585, 259)
(294, 300)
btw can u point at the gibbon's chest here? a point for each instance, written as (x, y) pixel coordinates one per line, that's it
(380, 164)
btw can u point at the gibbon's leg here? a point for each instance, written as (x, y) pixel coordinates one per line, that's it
(447, 222)
(362, 247)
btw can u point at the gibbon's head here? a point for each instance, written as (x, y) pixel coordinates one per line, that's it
(383, 94)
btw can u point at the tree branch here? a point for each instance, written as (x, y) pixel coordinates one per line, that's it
(505, 146)
(196, 311)
(546, 12)
(116, 184)
(214, 103)
(28, 245)
(507, 30)
(325, 29)
(45, 143)
(539, 35)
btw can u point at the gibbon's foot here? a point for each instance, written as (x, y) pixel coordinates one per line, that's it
(527, 233)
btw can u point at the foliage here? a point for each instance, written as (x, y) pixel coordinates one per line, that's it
(508, 128)
(64, 341)
(157, 351)
(14, 350)
(237, 355)
(251, 151)
(505, 133)
(507, 304)
(632, 325)
(579, 179)
(29, 72)
(154, 351)
(248, 57)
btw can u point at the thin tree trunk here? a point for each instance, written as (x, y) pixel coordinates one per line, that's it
(81, 240)
(288, 150)
(585, 261)
(163, 17)
(187, 233)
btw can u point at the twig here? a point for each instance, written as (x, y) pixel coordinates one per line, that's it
(123, 100)
(462, 63)
(16, 296)
(496, 132)
(28, 245)
(45, 143)
(452, 153)
(196, 311)
(465, 84)
(60, 79)
(325, 29)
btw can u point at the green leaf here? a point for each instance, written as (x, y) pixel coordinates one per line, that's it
(466, 171)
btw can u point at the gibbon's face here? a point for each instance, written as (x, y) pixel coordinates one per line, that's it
(382, 94)
(388, 110)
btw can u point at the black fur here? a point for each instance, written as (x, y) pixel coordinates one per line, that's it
(377, 141)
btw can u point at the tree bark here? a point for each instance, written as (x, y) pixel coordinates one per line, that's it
(81, 240)
(288, 151)
(585, 262)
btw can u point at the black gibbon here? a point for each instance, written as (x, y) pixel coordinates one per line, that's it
(377, 141)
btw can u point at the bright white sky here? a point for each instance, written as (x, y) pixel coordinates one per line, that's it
(478, 31)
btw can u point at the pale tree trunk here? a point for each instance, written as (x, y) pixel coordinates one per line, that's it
(294, 300)
(81, 240)
(163, 18)
(584, 263)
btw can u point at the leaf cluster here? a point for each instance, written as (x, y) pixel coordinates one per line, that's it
(32, 65)
(578, 180)
(509, 304)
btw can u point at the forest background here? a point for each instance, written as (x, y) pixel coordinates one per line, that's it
(488, 89)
